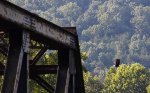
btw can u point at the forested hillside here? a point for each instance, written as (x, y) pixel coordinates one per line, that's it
(108, 29)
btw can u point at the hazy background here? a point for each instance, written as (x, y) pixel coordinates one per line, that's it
(108, 29)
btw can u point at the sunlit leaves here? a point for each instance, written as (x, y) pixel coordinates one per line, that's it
(92, 83)
(131, 78)
(71, 10)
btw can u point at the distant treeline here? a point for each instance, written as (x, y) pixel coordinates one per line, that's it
(108, 29)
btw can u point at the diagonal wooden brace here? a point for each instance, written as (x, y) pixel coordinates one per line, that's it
(43, 83)
(38, 56)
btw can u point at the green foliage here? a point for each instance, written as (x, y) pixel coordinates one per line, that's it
(35, 88)
(49, 58)
(2, 60)
(84, 55)
(148, 89)
(92, 83)
(71, 10)
(107, 29)
(131, 78)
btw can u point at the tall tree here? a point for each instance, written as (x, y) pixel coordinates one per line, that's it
(132, 78)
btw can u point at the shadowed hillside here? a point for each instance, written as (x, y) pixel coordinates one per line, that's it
(108, 29)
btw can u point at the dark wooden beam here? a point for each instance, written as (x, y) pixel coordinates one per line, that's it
(79, 82)
(43, 69)
(63, 62)
(2, 68)
(43, 83)
(14, 62)
(69, 74)
(72, 71)
(36, 69)
(23, 81)
(35, 24)
(24, 74)
(38, 56)
(71, 30)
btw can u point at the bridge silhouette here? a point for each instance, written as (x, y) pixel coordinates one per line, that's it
(18, 29)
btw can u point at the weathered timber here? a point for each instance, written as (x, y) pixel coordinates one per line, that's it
(63, 63)
(38, 56)
(43, 69)
(36, 69)
(43, 83)
(24, 74)
(79, 82)
(2, 67)
(14, 63)
(23, 80)
(24, 27)
(35, 24)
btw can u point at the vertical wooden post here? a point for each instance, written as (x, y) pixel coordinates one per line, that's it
(24, 75)
(63, 63)
(79, 82)
(76, 82)
(22, 84)
(72, 71)
(16, 57)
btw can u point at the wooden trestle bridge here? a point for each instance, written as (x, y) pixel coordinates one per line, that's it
(18, 28)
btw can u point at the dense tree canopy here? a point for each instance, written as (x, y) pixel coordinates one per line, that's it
(92, 83)
(133, 78)
(148, 89)
(108, 29)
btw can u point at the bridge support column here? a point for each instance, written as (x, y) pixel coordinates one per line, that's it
(79, 86)
(63, 63)
(16, 72)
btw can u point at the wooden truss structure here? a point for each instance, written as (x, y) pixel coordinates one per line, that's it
(18, 28)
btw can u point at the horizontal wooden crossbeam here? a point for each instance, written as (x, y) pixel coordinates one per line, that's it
(36, 69)
(35, 24)
(22, 27)
(43, 69)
